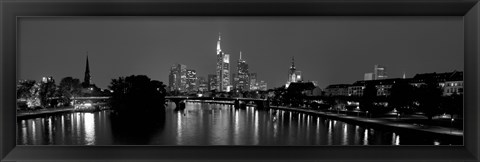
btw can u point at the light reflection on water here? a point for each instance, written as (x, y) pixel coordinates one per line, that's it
(209, 124)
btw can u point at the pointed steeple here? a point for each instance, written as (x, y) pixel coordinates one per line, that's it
(293, 63)
(87, 78)
(240, 55)
(403, 75)
(218, 44)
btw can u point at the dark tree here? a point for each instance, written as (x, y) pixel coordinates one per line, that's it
(137, 94)
(368, 98)
(48, 90)
(69, 87)
(23, 90)
(429, 96)
(401, 96)
(453, 104)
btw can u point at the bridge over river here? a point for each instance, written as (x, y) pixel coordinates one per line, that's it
(238, 101)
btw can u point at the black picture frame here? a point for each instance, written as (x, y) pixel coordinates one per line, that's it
(468, 9)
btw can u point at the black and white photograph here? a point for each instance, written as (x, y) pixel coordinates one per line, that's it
(235, 81)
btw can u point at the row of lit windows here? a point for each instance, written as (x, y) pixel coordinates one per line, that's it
(454, 84)
(454, 90)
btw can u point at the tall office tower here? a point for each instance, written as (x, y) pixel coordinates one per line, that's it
(253, 81)
(202, 84)
(191, 85)
(178, 77)
(243, 78)
(172, 77)
(223, 68)
(212, 82)
(379, 72)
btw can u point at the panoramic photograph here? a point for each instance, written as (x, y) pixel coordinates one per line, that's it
(256, 81)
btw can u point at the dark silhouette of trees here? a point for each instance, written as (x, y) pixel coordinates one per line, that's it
(453, 104)
(48, 90)
(368, 98)
(401, 97)
(69, 87)
(138, 103)
(23, 91)
(137, 94)
(27, 91)
(429, 96)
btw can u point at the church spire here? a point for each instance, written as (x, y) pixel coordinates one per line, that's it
(240, 55)
(218, 44)
(87, 78)
(293, 63)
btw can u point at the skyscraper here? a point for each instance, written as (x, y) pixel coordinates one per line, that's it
(253, 81)
(243, 79)
(212, 82)
(223, 68)
(178, 77)
(202, 84)
(191, 85)
(379, 72)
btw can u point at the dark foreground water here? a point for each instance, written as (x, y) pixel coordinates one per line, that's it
(208, 124)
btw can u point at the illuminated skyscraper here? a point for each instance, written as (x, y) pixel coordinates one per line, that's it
(212, 82)
(223, 69)
(253, 81)
(191, 85)
(202, 84)
(243, 82)
(178, 77)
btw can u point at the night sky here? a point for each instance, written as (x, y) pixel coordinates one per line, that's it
(330, 50)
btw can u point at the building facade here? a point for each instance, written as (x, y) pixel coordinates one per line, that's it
(202, 84)
(212, 82)
(262, 85)
(243, 82)
(178, 78)
(337, 90)
(253, 81)
(368, 76)
(379, 72)
(191, 81)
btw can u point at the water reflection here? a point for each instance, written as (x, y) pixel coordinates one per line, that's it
(207, 124)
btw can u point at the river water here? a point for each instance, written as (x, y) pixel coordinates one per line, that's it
(208, 124)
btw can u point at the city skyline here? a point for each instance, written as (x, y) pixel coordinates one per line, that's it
(441, 53)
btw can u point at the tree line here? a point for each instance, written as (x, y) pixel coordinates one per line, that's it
(427, 99)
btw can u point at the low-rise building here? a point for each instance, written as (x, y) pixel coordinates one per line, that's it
(337, 90)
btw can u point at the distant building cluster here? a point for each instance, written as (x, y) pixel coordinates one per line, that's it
(450, 82)
(379, 72)
(185, 80)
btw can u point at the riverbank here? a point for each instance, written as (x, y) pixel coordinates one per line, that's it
(40, 113)
(382, 123)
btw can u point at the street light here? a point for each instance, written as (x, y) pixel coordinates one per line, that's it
(451, 125)
(366, 114)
